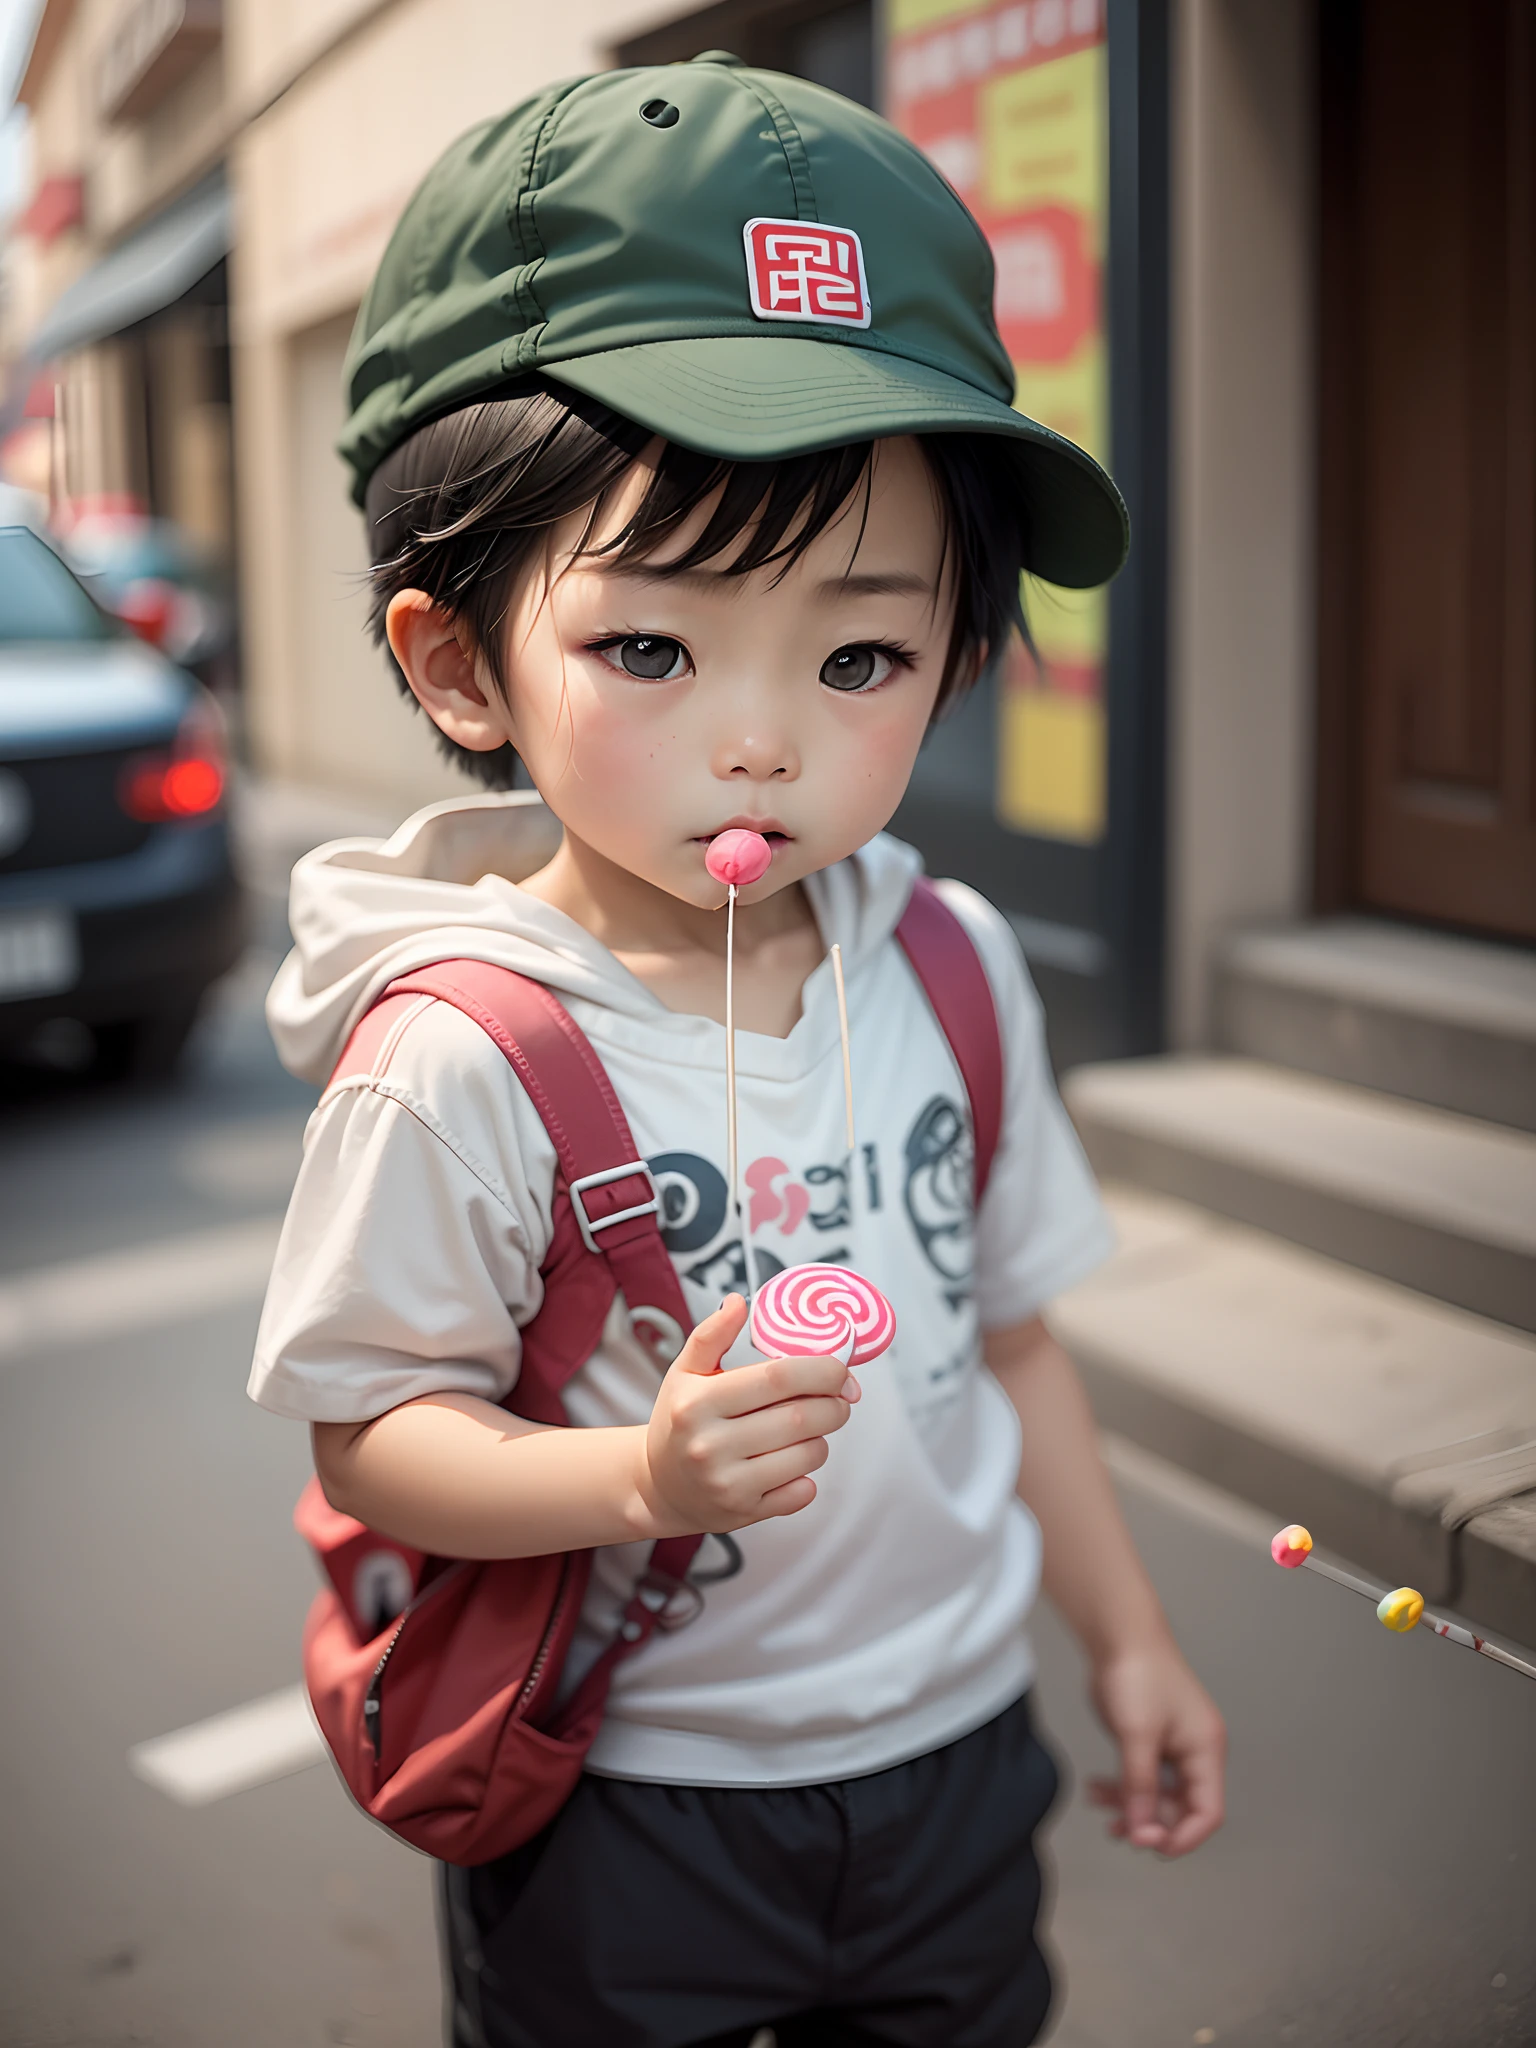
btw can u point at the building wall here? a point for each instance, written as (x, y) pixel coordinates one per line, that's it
(129, 170)
(319, 182)
(57, 144)
(1241, 674)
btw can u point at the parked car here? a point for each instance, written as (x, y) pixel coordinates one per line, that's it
(119, 904)
(147, 573)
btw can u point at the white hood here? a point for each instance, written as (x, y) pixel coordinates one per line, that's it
(365, 911)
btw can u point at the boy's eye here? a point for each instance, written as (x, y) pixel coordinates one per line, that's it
(650, 656)
(856, 668)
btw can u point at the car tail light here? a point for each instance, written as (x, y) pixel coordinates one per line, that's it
(186, 781)
(149, 606)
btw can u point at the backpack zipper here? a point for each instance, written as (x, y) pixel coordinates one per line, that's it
(541, 1655)
(373, 1705)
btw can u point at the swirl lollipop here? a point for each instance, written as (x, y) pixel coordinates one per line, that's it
(822, 1312)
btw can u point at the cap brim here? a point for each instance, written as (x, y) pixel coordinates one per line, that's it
(757, 398)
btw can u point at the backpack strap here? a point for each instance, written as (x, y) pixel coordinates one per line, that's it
(605, 1238)
(945, 960)
(606, 1234)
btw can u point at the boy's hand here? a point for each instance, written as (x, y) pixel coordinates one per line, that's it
(727, 1448)
(1170, 1795)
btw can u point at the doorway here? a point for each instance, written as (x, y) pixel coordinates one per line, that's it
(1427, 575)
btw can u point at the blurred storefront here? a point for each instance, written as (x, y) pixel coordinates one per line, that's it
(119, 403)
(1269, 258)
(1050, 784)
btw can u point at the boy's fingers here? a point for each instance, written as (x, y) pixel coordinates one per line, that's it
(788, 1499)
(751, 1387)
(709, 1341)
(1139, 1767)
(776, 1469)
(1203, 1803)
(786, 1423)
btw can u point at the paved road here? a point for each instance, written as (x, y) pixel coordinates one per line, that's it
(1376, 1884)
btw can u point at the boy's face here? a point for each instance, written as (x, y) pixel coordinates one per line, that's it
(653, 712)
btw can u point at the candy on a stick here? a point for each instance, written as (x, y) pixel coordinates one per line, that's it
(822, 1312)
(1400, 1610)
(809, 1311)
(736, 859)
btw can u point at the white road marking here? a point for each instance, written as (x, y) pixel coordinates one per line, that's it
(250, 1745)
(112, 1293)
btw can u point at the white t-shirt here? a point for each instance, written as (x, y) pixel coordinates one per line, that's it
(889, 1616)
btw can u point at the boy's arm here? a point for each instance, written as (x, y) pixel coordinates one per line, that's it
(459, 1477)
(1171, 1738)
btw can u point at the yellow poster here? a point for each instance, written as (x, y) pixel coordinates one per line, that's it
(1009, 100)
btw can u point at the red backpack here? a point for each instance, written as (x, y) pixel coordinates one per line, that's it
(435, 1680)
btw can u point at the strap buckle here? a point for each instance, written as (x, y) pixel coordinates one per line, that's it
(590, 1225)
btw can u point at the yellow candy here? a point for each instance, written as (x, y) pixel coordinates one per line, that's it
(1401, 1610)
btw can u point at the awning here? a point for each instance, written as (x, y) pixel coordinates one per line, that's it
(142, 275)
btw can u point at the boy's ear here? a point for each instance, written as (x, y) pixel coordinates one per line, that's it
(427, 642)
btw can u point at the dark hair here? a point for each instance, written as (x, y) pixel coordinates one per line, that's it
(462, 508)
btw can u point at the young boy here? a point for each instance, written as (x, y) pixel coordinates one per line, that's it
(684, 436)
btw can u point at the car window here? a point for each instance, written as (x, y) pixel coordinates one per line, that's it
(39, 598)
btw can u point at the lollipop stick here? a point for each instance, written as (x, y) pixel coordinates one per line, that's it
(731, 1173)
(1340, 1578)
(735, 857)
(1467, 1641)
(842, 1025)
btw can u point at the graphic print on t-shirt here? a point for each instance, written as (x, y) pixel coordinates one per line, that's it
(937, 1155)
(940, 1169)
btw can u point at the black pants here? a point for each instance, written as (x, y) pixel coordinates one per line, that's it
(898, 1908)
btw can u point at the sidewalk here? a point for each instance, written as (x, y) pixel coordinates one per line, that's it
(1376, 1416)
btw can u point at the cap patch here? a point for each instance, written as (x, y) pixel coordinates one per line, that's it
(806, 270)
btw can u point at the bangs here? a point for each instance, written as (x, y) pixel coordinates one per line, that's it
(766, 514)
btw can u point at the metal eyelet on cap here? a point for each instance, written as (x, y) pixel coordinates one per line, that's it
(660, 114)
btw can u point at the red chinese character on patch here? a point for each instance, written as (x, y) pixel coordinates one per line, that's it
(804, 270)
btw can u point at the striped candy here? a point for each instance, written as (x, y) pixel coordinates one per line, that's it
(822, 1312)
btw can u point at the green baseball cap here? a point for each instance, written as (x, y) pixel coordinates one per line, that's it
(740, 261)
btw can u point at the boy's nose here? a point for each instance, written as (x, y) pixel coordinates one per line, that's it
(758, 754)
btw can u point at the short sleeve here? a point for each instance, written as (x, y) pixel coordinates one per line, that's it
(410, 1252)
(1042, 1226)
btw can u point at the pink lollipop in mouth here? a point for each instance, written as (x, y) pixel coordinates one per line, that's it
(736, 859)
(822, 1312)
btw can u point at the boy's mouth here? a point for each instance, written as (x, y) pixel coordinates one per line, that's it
(767, 828)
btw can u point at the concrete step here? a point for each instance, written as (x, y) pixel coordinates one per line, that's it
(1367, 1412)
(1443, 1020)
(1441, 1203)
